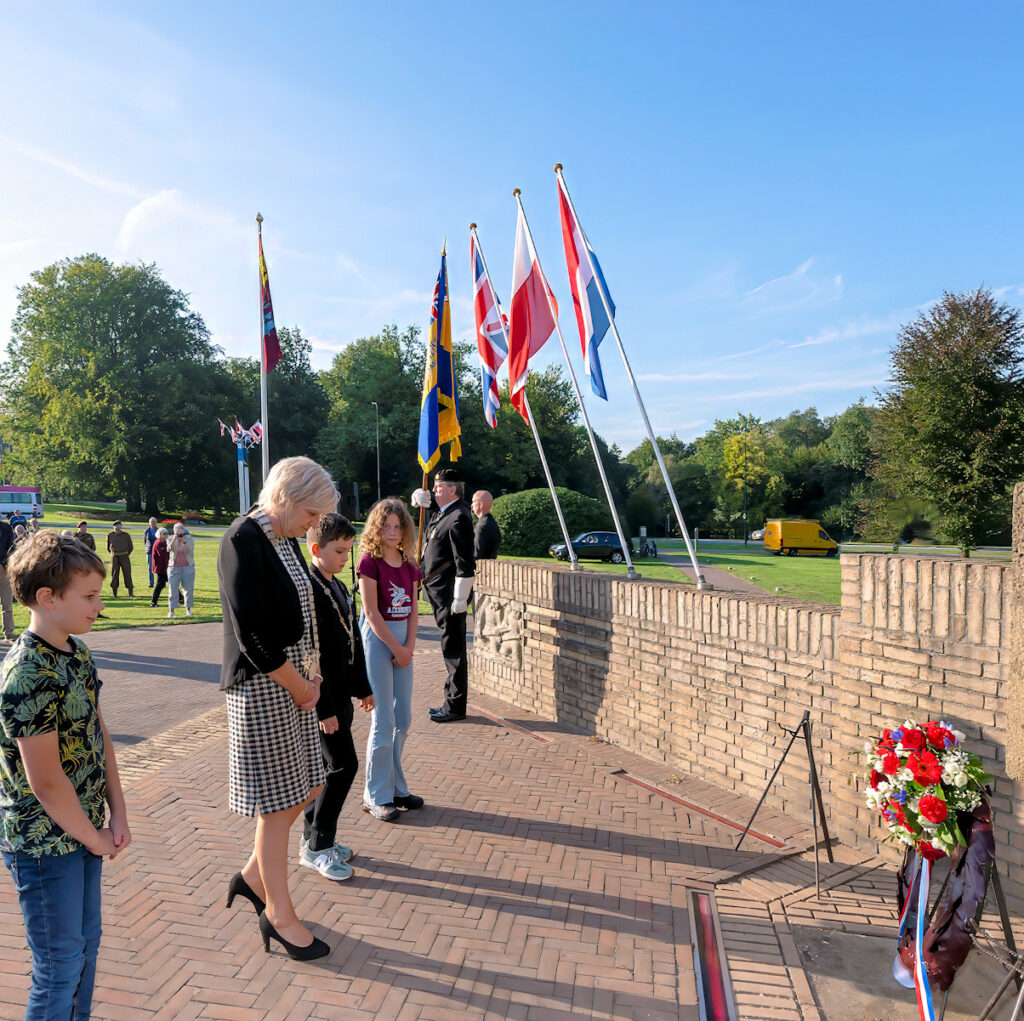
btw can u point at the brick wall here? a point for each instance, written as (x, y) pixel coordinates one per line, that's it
(705, 681)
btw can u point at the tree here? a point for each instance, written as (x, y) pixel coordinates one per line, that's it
(112, 387)
(951, 424)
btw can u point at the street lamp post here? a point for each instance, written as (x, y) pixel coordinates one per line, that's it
(376, 410)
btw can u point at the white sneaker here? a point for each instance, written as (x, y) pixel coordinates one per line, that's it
(328, 863)
(171, 614)
(188, 613)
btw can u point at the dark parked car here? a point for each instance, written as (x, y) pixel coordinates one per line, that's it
(592, 546)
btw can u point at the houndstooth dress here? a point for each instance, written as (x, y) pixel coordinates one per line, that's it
(274, 746)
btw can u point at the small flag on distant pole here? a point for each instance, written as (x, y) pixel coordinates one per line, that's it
(531, 320)
(490, 331)
(585, 284)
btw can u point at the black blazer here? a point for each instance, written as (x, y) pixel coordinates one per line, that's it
(342, 680)
(486, 538)
(262, 612)
(6, 542)
(448, 553)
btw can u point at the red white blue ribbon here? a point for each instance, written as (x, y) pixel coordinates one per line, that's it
(924, 994)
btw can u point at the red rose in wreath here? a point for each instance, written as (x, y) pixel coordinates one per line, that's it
(926, 768)
(891, 763)
(932, 808)
(929, 852)
(913, 740)
(876, 779)
(938, 736)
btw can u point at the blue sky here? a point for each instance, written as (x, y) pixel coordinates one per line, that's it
(771, 188)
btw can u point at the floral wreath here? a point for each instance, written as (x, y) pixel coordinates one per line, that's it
(921, 776)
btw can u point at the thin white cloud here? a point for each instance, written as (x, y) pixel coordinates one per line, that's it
(752, 351)
(800, 272)
(64, 166)
(13, 248)
(783, 390)
(692, 377)
(346, 265)
(830, 334)
(168, 207)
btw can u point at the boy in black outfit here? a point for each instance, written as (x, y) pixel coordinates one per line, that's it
(344, 678)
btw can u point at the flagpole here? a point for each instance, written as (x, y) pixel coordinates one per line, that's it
(630, 570)
(264, 413)
(702, 582)
(529, 411)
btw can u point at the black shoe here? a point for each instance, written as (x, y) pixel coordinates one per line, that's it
(447, 717)
(238, 887)
(318, 948)
(437, 710)
(408, 802)
(152, 606)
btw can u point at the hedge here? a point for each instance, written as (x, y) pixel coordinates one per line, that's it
(529, 524)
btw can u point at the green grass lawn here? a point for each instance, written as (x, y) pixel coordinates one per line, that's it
(815, 579)
(651, 570)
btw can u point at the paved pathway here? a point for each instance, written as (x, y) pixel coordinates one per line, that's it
(539, 882)
(724, 581)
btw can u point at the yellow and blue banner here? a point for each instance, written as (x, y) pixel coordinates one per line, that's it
(439, 408)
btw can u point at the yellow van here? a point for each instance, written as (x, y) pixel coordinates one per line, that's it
(794, 537)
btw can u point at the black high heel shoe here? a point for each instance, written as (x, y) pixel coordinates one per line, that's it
(318, 948)
(238, 887)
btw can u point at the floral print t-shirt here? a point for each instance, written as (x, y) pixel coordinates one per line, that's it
(44, 689)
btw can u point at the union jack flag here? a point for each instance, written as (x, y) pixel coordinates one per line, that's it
(491, 340)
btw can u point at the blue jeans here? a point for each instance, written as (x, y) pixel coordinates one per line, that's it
(392, 717)
(60, 900)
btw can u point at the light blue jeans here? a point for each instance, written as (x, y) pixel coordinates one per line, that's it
(60, 902)
(186, 578)
(392, 717)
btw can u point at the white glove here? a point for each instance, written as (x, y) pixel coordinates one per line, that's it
(463, 587)
(421, 498)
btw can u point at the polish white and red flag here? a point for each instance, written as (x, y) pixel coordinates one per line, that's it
(530, 321)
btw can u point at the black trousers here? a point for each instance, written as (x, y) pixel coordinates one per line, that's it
(339, 752)
(161, 581)
(453, 649)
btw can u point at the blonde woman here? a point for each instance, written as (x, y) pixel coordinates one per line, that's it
(270, 673)
(388, 581)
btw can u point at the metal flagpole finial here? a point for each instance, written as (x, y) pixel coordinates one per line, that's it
(515, 192)
(472, 226)
(259, 220)
(444, 246)
(558, 166)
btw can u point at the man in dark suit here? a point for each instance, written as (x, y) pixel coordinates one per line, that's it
(448, 563)
(487, 534)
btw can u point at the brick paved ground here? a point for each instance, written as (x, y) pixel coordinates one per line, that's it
(540, 882)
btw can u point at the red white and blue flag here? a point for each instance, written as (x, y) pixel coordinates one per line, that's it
(490, 332)
(586, 284)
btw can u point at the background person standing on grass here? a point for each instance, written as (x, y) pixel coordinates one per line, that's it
(120, 546)
(271, 676)
(181, 568)
(148, 538)
(158, 564)
(84, 537)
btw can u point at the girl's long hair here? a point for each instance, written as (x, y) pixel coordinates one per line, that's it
(372, 539)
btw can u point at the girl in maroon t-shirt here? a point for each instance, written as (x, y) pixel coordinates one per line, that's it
(388, 583)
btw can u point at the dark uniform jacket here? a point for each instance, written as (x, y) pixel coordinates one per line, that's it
(447, 553)
(6, 542)
(486, 538)
(341, 679)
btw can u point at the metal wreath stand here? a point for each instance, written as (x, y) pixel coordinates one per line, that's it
(817, 805)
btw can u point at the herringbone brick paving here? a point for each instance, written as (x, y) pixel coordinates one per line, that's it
(536, 883)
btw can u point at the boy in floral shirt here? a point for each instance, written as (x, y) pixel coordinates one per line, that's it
(57, 768)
